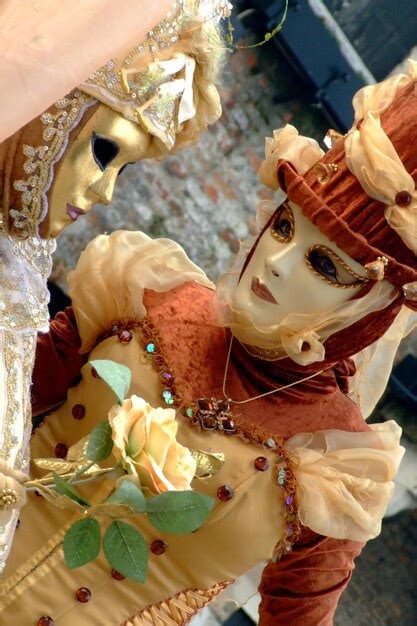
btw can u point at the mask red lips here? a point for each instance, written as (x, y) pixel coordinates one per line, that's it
(74, 212)
(262, 291)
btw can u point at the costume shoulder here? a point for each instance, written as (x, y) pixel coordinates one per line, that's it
(113, 272)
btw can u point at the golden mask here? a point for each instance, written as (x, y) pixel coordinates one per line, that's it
(87, 173)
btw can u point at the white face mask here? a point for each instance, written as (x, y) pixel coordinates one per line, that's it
(295, 268)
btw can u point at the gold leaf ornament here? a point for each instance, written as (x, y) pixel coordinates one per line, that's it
(59, 500)
(208, 463)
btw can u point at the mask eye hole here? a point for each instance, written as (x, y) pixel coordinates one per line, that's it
(282, 226)
(328, 265)
(104, 150)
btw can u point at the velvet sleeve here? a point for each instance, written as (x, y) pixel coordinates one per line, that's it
(57, 363)
(305, 586)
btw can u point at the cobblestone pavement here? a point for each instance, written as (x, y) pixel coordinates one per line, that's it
(382, 591)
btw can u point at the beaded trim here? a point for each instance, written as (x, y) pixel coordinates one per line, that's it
(224, 421)
(40, 160)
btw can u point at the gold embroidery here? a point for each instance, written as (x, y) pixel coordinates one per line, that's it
(40, 160)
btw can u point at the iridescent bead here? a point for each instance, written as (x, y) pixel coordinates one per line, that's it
(150, 348)
(167, 396)
(225, 493)
(83, 595)
(281, 477)
(167, 378)
(158, 547)
(261, 463)
(270, 443)
(289, 500)
(189, 412)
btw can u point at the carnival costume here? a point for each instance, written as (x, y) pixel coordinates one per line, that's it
(164, 87)
(301, 479)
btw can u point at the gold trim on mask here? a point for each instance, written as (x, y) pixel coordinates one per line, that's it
(41, 159)
(278, 214)
(358, 280)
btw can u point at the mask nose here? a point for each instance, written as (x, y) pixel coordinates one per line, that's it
(103, 188)
(282, 263)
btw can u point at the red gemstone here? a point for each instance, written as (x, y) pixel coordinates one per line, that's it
(78, 410)
(209, 422)
(228, 425)
(61, 450)
(158, 547)
(225, 493)
(117, 575)
(261, 463)
(403, 198)
(223, 406)
(45, 620)
(83, 595)
(125, 336)
(206, 404)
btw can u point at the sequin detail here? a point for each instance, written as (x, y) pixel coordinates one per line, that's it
(41, 159)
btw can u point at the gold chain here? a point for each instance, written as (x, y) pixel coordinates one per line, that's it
(267, 393)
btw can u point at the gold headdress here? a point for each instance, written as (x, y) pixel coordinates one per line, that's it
(165, 84)
(167, 80)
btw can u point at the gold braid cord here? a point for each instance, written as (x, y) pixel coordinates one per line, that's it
(179, 609)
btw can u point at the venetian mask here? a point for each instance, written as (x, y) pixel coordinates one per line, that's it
(87, 173)
(295, 269)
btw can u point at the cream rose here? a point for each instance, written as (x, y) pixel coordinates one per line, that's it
(145, 441)
(12, 492)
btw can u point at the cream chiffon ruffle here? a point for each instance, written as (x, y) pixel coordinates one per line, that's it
(112, 274)
(344, 479)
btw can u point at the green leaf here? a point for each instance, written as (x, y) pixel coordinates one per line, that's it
(126, 550)
(116, 376)
(128, 493)
(82, 543)
(179, 512)
(100, 443)
(68, 490)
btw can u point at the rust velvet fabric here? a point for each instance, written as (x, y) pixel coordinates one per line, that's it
(303, 588)
(57, 363)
